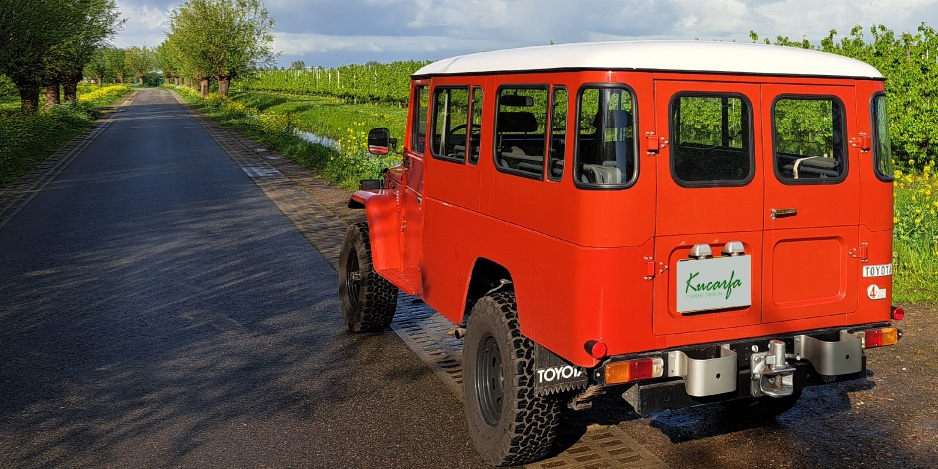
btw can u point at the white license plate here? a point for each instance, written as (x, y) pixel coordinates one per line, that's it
(709, 284)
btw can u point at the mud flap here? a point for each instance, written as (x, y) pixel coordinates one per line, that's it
(553, 374)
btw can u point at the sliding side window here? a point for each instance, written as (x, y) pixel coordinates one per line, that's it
(451, 124)
(520, 130)
(882, 145)
(809, 140)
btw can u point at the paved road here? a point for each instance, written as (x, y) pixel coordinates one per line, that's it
(157, 310)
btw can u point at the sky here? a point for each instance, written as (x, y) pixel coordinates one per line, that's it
(330, 33)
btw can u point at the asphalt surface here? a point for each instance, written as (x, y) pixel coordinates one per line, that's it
(157, 310)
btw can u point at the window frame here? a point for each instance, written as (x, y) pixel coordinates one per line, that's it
(433, 102)
(843, 141)
(576, 144)
(498, 94)
(550, 133)
(874, 135)
(674, 140)
(472, 102)
(415, 119)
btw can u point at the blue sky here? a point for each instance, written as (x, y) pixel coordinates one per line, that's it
(331, 33)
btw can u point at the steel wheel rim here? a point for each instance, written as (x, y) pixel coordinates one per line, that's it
(489, 382)
(353, 280)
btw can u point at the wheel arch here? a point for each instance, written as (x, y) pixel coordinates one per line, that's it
(486, 275)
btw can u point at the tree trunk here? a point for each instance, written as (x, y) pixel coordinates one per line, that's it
(203, 87)
(53, 96)
(177, 80)
(140, 79)
(120, 76)
(224, 82)
(29, 98)
(71, 91)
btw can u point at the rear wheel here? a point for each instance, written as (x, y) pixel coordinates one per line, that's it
(368, 300)
(509, 424)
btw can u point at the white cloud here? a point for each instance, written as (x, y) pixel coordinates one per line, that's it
(335, 32)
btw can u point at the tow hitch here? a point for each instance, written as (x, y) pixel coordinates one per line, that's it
(771, 373)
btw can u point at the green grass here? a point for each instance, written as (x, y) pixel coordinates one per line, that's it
(273, 118)
(27, 139)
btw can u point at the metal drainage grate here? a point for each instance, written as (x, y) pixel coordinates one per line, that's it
(430, 336)
(256, 172)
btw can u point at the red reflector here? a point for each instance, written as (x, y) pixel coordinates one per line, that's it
(597, 349)
(874, 338)
(898, 313)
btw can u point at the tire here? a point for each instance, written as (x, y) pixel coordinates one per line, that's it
(760, 408)
(368, 300)
(508, 423)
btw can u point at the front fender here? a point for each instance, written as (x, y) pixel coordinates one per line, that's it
(384, 227)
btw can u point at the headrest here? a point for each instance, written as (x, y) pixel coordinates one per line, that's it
(516, 122)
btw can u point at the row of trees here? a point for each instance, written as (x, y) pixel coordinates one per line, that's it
(47, 43)
(115, 65)
(220, 39)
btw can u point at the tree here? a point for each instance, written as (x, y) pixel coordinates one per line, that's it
(97, 66)
(139, 60)
(66, 61)
(298, 65)
(29, 29)
(168, 60)
(222, 39)
(116, 65)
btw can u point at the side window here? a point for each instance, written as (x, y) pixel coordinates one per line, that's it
(882, 145)
(558, 133)
(419, 122)
(809, 139)
(450, 123)
(711, 142)
(605, 151)
(520, 130)
(475, 132)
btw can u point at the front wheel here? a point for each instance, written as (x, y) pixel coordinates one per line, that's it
(368, 300)
(509, 424)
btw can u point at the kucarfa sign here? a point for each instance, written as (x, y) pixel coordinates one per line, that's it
(718, 283)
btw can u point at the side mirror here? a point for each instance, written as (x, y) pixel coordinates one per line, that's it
(379, 141)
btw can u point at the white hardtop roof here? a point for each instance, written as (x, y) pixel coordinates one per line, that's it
(688, 56)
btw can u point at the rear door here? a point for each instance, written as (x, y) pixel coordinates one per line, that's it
(710, 192)
(811, 212)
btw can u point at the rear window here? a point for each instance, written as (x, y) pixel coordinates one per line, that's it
(605, 146)
(711, 140)
(809, 140)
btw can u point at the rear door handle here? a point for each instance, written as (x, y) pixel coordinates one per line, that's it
(784, 212)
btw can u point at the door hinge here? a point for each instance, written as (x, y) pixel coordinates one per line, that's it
(650, 269)
(654, 144)
(861, 141)
(861, 252)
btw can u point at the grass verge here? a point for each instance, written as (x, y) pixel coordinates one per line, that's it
(277, 120)
(27, 139)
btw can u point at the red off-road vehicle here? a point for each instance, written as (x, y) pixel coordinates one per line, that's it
(682, 222)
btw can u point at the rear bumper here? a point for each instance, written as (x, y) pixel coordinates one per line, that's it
(710, 373)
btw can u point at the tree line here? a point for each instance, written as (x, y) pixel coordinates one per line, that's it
(47, 43)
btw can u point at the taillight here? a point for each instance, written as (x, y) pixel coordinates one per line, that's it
(879, 337)
(898, 313)
(634, 370)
